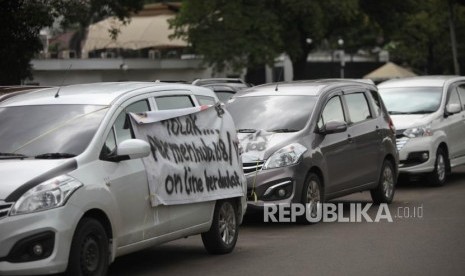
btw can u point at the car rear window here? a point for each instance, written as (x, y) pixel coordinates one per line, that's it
(174, 102)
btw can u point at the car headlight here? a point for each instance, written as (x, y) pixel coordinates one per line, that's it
(47, 195)
(419, 131)
(286, 156)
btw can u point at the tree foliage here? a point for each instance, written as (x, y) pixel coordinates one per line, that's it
(250, 33)
(22, 21)
(417, 32)
(235, 33)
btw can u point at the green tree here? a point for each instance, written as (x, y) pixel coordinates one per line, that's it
(21, 23)
(250, 33)
(22, 20)
(416, 32)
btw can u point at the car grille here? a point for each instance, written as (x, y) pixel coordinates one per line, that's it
(4, 208)
(252, 167)
(401, 139)
(400, 142)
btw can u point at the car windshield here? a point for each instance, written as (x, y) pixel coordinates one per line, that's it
(224, 96)
(48, 131)
(281, 113)
(411, 100)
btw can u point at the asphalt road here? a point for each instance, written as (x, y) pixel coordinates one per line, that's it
(431, 245)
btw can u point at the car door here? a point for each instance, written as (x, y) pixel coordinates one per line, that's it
(455, 128)
(127, 180)
(181, 216)
(336, 148)
(364, 130)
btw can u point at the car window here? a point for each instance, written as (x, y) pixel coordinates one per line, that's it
(205, 100)
(255, 113)
(57, 128)
(174, 102)
(332, 112)
(454, 98)
(224, 96)
(411, 100)
(377, 101)
(121, 130)
(461, 90)
(358, 107)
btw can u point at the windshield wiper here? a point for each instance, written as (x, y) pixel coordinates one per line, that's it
(9, 155)
(54, 155)
(410, 113)
(283, 130)
(421, 112)
(247, 130)
(397, 112)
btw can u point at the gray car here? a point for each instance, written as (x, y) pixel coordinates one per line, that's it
(312, 141)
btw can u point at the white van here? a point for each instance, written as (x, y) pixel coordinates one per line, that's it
(75, 190)
(429, 115)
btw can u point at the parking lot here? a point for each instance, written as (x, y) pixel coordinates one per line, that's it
(431, 245)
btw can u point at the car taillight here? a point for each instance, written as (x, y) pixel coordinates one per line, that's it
(391, 126)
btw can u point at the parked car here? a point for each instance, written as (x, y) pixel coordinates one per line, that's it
(429, 115)
(312, 141)
(224, 88)
(75, 191)
(13, 90)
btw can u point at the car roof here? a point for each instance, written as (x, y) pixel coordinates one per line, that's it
(304, 87)
(218, 80)
(96, 93)
(421, 81)
(222, 88)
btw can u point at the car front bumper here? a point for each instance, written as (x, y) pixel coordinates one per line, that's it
(262, 184)
(411, 151)
(13, 229)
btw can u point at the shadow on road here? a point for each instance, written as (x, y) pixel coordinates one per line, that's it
(421, 182)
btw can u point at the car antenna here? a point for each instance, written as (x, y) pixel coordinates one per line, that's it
(279, 79)
(63, 80)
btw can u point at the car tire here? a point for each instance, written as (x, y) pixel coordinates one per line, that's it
(89, 254)
(312, 193)
(384, 192)
(438, 176)
(223, 233)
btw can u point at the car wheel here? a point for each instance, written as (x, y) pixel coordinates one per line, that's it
(89, 254)
(312, 196)
(384, 192)
(438, 176)
(222, 236)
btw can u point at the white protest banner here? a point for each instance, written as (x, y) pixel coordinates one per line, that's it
(195, 155)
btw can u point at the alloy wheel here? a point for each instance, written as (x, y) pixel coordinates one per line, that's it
(227, 223)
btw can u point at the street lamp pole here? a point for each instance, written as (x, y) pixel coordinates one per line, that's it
(340, 42)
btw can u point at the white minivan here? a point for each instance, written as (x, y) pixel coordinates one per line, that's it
(74, 191)
(429, 115)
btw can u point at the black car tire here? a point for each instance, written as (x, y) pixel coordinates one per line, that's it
(439, 175)
(223, 233)
(384, 192)
(89, 254)
(312, 193)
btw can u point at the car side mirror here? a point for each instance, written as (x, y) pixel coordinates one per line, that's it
(453, 108)
(130, 149)
(333, 127)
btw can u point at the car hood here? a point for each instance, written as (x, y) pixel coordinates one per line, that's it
(409, 121)
(16, 172)
(260, 145)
